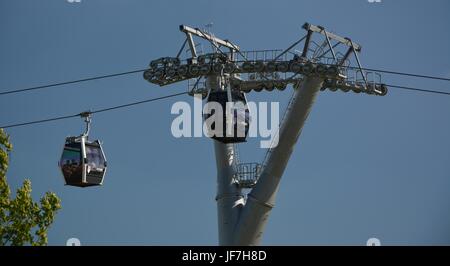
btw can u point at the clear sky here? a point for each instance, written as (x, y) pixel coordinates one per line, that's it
(364, 166)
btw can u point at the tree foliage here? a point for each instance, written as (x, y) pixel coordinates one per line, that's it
(23, 221)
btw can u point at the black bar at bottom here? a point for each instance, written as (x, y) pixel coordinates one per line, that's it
(167, 255)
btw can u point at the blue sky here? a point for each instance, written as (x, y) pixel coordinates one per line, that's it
(364, 166)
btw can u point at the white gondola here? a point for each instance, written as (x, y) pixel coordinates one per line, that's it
(240, 118)
(83, 162)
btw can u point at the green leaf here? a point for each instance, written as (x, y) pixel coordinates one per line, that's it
(23, 221)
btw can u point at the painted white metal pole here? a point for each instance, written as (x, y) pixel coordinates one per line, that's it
(261, 200)
(229, 197)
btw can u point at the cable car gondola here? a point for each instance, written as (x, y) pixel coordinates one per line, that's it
(238, 116)
(83, 162)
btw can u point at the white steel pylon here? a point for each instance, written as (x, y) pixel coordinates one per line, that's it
(242, 218)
